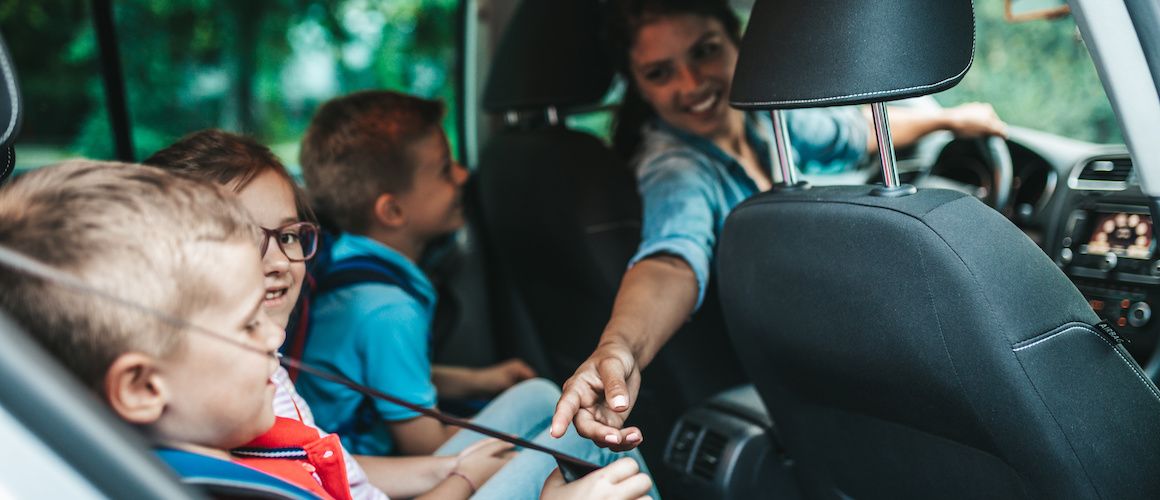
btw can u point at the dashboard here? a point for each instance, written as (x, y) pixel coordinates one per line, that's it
(1082, 204)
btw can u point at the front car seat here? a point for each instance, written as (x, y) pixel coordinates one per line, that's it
(916, 346)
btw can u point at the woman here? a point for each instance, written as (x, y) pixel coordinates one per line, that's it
(696, 159)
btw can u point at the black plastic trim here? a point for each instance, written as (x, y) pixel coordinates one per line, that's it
(1145, 15)
(114, 80)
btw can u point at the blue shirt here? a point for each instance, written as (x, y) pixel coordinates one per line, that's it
(688, 185)
(377, 335)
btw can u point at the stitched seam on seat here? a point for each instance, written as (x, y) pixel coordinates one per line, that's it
(9, 164)
(1088, 328)
(978, 286)
(946, 349)
(991, 311)
(1135, 369)
(751, 202)
(1036, 340)
(747, 104)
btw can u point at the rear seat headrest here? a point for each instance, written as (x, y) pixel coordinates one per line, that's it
(10, 112)
(550, 56)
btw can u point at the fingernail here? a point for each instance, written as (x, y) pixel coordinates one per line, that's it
(632, 438)
(612, 438)
(619, 402)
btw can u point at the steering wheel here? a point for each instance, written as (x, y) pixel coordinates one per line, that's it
(981, 167)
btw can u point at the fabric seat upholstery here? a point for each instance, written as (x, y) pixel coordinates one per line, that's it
(924, 347)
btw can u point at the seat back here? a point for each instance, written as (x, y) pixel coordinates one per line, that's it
(923, 347)
(561, 216)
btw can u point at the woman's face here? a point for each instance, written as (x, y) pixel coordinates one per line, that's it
(683, 67)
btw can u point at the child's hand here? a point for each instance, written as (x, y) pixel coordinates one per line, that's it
(620, 480)
(482, 460)
(497, 378)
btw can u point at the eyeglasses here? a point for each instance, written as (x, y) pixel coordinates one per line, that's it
(298, 241)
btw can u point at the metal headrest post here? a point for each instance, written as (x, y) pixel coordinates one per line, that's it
(859, 53)
(785, 163)
(886, 155)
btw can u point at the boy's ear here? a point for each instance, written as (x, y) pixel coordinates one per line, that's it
(135, 389)
(388, 211)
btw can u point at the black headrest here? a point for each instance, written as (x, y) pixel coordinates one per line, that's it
(809, 53)
(10, 112)
(550, 56)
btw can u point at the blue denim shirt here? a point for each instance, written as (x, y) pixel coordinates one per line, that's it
(688, 185)
(375, 334)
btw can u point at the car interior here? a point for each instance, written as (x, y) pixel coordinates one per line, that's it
(577, 222)
(988, 334)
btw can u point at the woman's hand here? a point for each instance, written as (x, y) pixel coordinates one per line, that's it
(599, 397)
(620, 480)
(975, 119)
(656, 296)
(482, 460)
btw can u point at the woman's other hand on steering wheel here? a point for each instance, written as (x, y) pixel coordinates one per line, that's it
(975, 119)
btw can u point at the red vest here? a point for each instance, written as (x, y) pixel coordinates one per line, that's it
(293, 452)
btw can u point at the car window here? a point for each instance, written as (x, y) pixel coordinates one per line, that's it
(30, 469)
(260, 68)
(60, 79)
(1037, 74)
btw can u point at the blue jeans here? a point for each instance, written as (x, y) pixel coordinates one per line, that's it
(526, 411)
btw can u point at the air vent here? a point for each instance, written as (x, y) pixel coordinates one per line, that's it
(709, 455)
(1109, 174)
(684, 439)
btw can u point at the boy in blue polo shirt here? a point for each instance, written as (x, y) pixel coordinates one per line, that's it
(377, 164)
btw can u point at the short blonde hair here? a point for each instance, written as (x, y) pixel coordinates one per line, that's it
(132, 231)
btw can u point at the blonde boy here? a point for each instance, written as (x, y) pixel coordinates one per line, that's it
(169, 244)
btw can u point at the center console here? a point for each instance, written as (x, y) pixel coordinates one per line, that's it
(727, 448)
(1106, 244)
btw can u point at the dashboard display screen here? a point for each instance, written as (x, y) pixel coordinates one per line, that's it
(1124, 234)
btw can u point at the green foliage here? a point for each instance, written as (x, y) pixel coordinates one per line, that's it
(262, 67)
(1037, 74)
(259, 68)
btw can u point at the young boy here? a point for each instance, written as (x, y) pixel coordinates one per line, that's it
(378, 165)
(162, 242)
